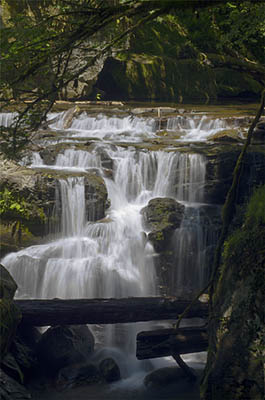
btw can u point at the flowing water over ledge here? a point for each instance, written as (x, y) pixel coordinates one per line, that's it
(110, 258)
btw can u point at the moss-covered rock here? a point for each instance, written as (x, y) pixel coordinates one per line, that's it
(162, 216)
(153, 77)
(235, 366)
(27, 199)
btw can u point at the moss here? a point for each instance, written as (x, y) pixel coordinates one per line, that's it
(232, 83)
(234, 368)
(256, 210)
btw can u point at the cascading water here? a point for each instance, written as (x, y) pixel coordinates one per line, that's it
(110, 257)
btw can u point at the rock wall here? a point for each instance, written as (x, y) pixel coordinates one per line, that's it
(235, 367)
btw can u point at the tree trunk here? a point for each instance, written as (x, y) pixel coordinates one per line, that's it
(105, 311)
(167, 342)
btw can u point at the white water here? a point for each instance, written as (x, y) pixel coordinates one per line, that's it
(111, 258)
(198, 128)
(6, 119)
(132, 128)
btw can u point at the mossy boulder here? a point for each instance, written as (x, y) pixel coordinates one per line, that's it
(162, 216)
(236, 333)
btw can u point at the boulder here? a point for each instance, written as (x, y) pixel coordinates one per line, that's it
(77, 374)
(61, 346)
(8, 286)
(164, 376)
(10, 314)
(162, 216)
(110, 370)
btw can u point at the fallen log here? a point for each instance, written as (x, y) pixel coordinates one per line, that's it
(168, 342)
(105, 311)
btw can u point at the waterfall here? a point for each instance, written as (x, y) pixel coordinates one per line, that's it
(6, 119)
(110, 257)
(197, 128)
(108, 128)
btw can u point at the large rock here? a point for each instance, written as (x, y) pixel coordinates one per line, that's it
(28, 201)
(10, 314)
(162, 216)
(164, 376)
(110, 370)
(77, 374)
(8, 286)
(61, 346)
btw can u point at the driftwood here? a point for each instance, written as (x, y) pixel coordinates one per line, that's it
(105, 311)
(171, 342)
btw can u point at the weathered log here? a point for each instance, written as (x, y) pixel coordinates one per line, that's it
(105, 311)
(167, 342)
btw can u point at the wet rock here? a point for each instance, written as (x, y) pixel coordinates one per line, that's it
(21, 359)
(77, 374)
(106, 160)
(162, 216)
(10, 314)
(10, 389)
(110, 370)
(36, 191)
(235, 368)
(164, 376)
(61, 346)
(96, 197)
(228, 136)
(69, 115)
(8, 286)
(221, 161)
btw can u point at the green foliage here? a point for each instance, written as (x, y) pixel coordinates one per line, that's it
(256, 208)
(40, 40)
(236, 247)
(241, 29)
(19, 212)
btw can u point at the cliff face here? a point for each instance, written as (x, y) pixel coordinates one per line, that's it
(164, 61)
(235, 369)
